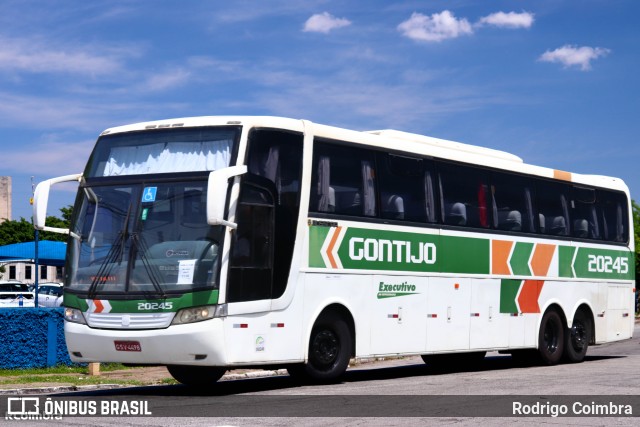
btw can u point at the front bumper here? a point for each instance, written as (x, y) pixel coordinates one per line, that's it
(200, 343)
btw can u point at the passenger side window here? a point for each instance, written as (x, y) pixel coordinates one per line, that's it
(553, 209)
(343, 181)
(512, 203)
(583, 214)
(465, 195)
(613, 214)
(406, 188)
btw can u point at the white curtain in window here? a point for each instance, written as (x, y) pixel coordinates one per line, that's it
(169, 157)
(430, 201)
(325, 204)
(272, 167)
(369, 190)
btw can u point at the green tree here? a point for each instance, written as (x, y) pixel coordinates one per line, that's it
(20, 231)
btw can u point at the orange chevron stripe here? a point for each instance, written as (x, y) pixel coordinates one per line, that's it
(541, 259)
(500, 250)
(529, 294)
(99, 306)
(332, 243)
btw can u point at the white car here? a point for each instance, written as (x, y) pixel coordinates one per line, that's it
(15, 294)
(49, 295)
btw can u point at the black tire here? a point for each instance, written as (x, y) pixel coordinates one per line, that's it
(196, 376)
(551, 338)
(330, 347)
(577, 338)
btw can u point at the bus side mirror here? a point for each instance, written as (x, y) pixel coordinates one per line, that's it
(217, 194)
(41, 200)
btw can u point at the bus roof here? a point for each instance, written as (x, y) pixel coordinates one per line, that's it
(452, 145)
(389, 139)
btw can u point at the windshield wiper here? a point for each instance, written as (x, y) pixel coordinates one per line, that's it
(142, 247)
(115, 253)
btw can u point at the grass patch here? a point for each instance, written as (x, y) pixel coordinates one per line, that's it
(60, 369)
(66, 379)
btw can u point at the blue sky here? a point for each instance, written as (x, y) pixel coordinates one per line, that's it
(555, 82)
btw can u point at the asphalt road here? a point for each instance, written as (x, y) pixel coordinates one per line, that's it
(398, 392)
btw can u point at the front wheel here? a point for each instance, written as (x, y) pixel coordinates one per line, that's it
(551, 338)
(577, 338)
(330, 348)
(196, 376)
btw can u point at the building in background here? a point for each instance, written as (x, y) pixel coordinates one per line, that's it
(26, 273)
(17, 261)
(5, 198)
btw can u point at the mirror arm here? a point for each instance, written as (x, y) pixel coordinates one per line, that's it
(217, 194)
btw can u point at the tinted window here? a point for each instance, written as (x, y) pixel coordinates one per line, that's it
(465, 195)
(277, 156)
(406, 188)
(512, 203)
(584, 218)
(612, 209)
(553, 209)
(251, 261)
(343, 181)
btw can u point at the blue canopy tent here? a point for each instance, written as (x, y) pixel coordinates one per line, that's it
(49, 252)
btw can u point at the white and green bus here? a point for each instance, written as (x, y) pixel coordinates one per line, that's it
(213, 243)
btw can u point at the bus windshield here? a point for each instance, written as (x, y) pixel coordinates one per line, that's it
(163, 151)
(140, 225)
(143, 238)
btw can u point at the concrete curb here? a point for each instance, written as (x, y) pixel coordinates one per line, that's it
(84, 388)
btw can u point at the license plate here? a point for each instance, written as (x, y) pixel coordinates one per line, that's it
(127, 346)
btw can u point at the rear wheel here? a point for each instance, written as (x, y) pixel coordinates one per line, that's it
(551, 338)
(196, 376)
(329, 351)
(577, 338)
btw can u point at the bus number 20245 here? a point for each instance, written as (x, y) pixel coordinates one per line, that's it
(608, 264)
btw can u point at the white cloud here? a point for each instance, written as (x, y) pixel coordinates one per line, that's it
(569, 56)
(48, 158)
(508, 20)
(38, 111)
(434, 28)
(168, 79)
(324, 22)
(37, 57)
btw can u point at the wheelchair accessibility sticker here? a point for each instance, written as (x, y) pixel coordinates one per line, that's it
(149, 194)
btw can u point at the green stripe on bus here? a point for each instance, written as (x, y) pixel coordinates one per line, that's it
(380, 250)
(508, 292)
(520, 259)
(604, 264)
(565, 257)
(317, 236)
(189, 299)
(464, 255)
(364, 249)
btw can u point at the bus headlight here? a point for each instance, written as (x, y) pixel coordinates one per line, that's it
(74, 315)
(196, 314)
